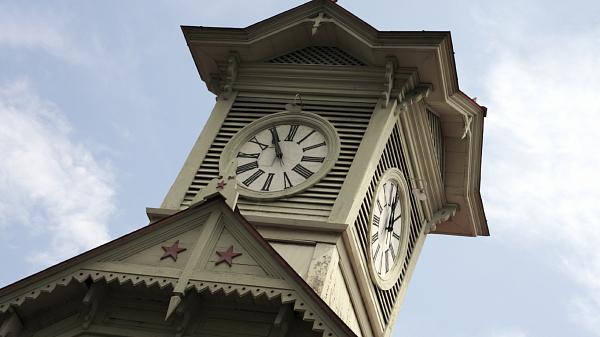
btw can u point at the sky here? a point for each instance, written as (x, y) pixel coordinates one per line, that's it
(100, 103)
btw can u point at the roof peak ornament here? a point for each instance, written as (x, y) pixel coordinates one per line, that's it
(224, 184)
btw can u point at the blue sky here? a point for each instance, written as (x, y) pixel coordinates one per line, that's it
(100, 104)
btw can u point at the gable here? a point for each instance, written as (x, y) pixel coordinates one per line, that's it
(206, 232)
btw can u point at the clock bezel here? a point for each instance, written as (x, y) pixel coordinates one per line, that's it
(285, 117)
(388, 280)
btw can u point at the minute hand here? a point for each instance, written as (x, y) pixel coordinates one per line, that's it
(390, 226)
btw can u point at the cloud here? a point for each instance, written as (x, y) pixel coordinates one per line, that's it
(57, 31)
(50, 185)
(541, 179)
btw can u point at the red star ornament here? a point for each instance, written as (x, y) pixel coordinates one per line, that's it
(227, 256)
(172, 251)
(221, 184)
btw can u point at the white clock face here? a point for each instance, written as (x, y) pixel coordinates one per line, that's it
(386, 227)
(280, 157)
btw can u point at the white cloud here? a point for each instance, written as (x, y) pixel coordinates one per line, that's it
(543, 155)
(58, 32)
(49, 183)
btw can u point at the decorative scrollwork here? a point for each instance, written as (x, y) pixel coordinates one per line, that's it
(231, 74)
(388, 84)
(413, 96)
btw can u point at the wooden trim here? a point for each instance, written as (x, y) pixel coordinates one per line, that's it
(352, 285)
(365, 162)
(363, 278)
(409, 273)
(432, 172)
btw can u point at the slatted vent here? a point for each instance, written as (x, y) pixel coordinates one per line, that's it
(393, 156)
(332, 56)
(349, 117)
(438, 139)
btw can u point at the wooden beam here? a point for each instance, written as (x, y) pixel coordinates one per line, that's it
(282, 321)
(91, 303)
(11, 326)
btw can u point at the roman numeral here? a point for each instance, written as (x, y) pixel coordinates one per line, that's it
(286, 181)
(253, 177)
(392, 249)
(303, 171)
(248, 155)
(305, 137)
(255, 141)
(396, 236)
(292, 133)
(313, 146)
(313, 159)
(375, 220)
(376, 251)
(267, 184)
(246, 167)
(379, 206)
(375, 237)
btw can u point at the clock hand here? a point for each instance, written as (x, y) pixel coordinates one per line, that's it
(275, 141)
(390, 226)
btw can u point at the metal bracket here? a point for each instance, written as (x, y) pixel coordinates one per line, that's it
(294, 106)
(415, 95)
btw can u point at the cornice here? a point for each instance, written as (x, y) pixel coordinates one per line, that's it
(300, 303)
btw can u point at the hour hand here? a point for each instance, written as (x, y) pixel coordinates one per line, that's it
(275, 141)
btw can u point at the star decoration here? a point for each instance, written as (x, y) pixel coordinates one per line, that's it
(227, 256)
(172, 251)
(221, 184)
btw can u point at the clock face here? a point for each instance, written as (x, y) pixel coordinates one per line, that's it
(388, 228)
(281, 154)
(280, 157)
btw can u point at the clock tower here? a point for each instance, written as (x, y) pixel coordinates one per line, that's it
(350, 146)
(333, 150)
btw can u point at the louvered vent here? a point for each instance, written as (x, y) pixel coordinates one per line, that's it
(438, 139)
(350, 117)
(332, 56)
(393, 156)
